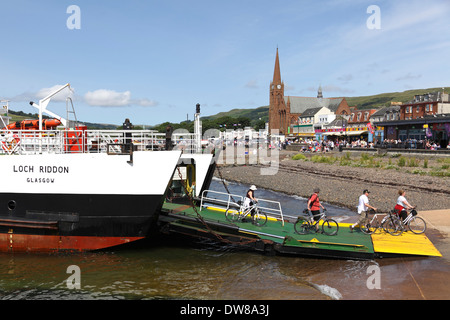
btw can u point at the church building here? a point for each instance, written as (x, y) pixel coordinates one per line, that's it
(284, 111)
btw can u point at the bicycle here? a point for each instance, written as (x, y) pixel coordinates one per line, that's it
(369, 226)
(414, 223)
(303, 226)
(258, 217)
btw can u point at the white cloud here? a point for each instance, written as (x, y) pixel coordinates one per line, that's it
(42, 93)
(60, 96)
(107, 98)
(144, 102)
(111, 98)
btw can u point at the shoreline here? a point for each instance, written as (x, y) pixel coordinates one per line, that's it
(342, 185)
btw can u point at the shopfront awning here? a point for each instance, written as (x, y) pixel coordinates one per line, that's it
(336, 133)
(304, 134)
(356, 133)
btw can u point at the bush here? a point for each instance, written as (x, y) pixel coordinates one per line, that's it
(413, 162)
(440, 174)
(299, 157)
(390, 166)
(364, 157)
(343, 161)
(401, 161)
(323, 159)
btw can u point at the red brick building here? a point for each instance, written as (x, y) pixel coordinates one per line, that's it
(285, 110)
(424, 118)
(422, 105)
(360, 117)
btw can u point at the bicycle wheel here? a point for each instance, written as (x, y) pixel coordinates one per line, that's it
(330, 227)
(366, 227)
(259, 218)
(417, 225)
(232, 215)
(393, 227)
(383, 224)
(375, 225)
(302, 226)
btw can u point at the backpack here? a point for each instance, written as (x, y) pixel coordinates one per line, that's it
(315, 200)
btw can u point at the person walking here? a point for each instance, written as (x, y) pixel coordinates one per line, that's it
(363, 207)
(314, 206)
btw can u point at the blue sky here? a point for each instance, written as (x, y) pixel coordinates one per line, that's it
(153, 61)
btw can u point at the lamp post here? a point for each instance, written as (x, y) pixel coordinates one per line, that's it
(197, 128)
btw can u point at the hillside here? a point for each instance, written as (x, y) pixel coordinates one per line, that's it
(362, 102)
(262, 113)
(252, 114)
(384, 99)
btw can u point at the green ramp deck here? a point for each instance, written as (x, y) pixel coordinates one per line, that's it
(273, 236)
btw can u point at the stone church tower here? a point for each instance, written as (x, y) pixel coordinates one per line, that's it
(284, 111)
(277, 109)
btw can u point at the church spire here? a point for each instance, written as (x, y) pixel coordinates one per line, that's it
(319, 92)
(276, 71)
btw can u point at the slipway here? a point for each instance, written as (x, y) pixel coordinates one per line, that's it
(279, 236)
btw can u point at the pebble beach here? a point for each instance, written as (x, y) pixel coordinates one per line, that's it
(342, 185)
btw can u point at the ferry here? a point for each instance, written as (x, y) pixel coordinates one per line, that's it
(76, 189)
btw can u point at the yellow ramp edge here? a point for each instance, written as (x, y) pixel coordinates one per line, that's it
(406, 243)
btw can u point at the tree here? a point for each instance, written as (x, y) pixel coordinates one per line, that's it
(259, 125)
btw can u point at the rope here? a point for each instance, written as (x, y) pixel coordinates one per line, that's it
(199, 217)
(224, 184)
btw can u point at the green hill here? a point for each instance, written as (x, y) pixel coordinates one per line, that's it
(252, 114)
(261, 114)
(384, 99)
(362, 102)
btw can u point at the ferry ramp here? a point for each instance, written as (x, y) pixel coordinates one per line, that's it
(280, 237)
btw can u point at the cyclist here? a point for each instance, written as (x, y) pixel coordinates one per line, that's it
(402, 205)
(314, 206)
(363, 207)
(250, 199)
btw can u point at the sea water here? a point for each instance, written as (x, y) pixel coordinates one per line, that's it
(172, 267)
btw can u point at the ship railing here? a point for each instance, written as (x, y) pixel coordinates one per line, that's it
(31, 142)
(186, 142)
(220, 200)
(76, 141)
(224, 201)
(91, 141)
(272, 209)
(143, 140)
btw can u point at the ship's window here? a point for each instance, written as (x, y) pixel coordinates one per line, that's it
(11, 204)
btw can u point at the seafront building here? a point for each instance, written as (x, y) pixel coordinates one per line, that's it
(426, 117)
(287, 113)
